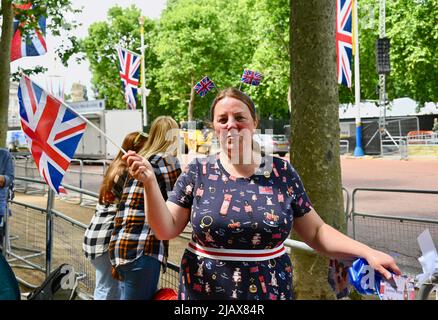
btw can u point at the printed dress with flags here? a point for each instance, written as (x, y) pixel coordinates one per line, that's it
(32, 44)
(239, 226)
(344, 41)
(52, 132)
(251, 77)
(129, 67)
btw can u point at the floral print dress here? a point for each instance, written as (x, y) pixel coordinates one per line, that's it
(251, 213)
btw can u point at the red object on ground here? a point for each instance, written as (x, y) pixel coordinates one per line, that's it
(165, 294)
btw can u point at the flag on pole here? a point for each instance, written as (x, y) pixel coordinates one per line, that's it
(204, 86)
(52, 131)
(344, 41)
(129, 67)
(31, 44)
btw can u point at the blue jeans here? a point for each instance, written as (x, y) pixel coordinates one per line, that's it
(107, 288)
(140, 278)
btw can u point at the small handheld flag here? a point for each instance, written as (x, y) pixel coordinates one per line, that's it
(52, 131)
(251, 77)
(32, 44)
(129, 73)
(204, 86)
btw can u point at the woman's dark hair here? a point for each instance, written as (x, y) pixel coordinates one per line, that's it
(236, 94)
(133, 141)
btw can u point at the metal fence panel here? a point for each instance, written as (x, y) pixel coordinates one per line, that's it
(67, 248)
(26, 233)
(394, 234)
(395, 237)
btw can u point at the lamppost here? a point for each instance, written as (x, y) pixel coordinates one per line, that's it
(144, 92)
(358, 151)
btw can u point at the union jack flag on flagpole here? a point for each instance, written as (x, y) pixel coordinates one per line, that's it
(204, 86)
(129, 67)
(251, 77)
(32, 44)
(344, 41)
(52, 131)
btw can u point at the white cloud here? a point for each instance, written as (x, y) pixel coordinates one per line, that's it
(93, 11)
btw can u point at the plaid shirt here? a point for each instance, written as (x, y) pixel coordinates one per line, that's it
(132, 237)
(98, 234)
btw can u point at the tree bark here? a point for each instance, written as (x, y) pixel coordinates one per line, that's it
(5, 67)
(315, 130)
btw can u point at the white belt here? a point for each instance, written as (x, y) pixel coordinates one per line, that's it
(236, 254)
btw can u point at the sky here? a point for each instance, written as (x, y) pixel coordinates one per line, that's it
(93, 11)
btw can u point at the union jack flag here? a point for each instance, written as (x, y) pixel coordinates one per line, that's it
(251, 77)
(129, 68)
(204, 86)
(344, 41)
(31, 44)
(52, 131)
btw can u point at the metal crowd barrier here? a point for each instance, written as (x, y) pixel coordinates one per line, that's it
(391, 233)
(79, 177)
(344, 146)
(395, 146)
(42, 238)
(423, 138)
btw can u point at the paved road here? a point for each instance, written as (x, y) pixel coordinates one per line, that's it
(393, 174)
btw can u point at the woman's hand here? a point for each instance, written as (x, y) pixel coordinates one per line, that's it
(138, 167)
(382, 262)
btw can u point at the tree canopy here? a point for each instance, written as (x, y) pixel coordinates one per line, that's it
(220, 38)
(56, 10)
(121, 29)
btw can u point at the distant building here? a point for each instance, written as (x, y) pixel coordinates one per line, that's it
(78, 92)
(401, 117)
(401, 107)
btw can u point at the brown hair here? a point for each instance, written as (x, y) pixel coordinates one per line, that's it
(133, 141)
(236, 94)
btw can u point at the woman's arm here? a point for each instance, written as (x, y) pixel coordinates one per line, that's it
(330, 242)
(167, 220)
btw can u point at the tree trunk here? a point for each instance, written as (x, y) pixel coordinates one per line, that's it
(315, 130)
(5, 67)
(191, 102)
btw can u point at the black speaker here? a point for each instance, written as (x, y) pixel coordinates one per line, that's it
(382, 56)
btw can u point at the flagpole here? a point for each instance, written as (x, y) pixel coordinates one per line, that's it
(144, 92)
(358, 151)
(93, 125)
